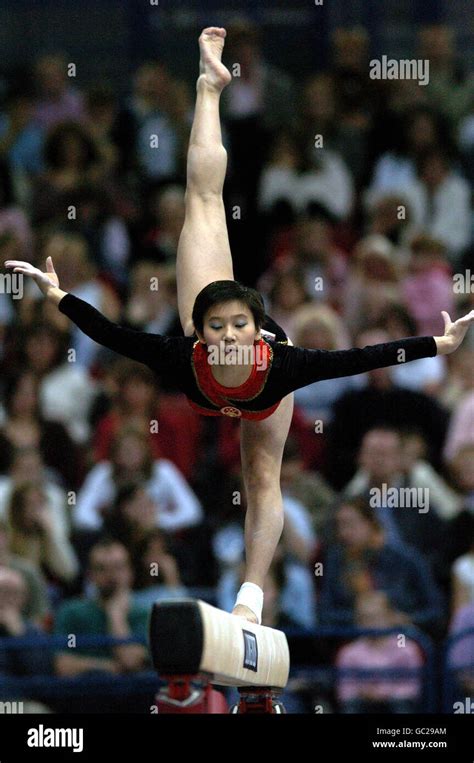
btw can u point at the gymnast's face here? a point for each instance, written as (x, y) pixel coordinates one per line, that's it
(228, 325)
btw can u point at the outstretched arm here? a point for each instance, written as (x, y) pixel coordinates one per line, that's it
(137, 345)
(301, 367)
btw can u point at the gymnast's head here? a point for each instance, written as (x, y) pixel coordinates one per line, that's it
(228, 314)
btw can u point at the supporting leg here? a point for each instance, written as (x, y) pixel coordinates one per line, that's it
(261, 445)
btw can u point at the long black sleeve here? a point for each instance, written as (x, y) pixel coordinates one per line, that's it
(301, 367)
(154, 350)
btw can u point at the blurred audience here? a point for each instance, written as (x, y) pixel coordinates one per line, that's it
(392, 652)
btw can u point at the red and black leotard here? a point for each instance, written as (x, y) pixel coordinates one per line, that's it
(280, 368)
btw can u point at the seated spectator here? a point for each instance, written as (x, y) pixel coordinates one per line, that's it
(361, 559)
(72, 259)
(36, 537)
(36, 605)
(21, 137)
(320, 327)
(147, 112)
(460, 378)
(131, 457)
(25, 426)
(450, 85)
(384, 219)
(440, 199)
(111, 610)
(420, 127)
(264, 94)
(315, 255)
(463, 576)
(28, 466)
(460, 531)
(150, 305)
(314, 175)
(461, 654)
(416, 521)
(66, 391)
(323, 262)
(380, 401)
(288, 293)
(132, 521)
(374, 694)
(461, 427)
(425, 374)
(73, 164)
(307, 486)
(373, 282)
(427, 287)
(156, 235)
(15, 661)
(158, 577)
(319, 113)
(418, 472)
(130, 395)
(101, 109)
(57, 99)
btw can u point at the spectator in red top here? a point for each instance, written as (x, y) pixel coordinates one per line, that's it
(172, 426)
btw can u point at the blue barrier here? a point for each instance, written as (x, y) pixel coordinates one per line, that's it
(147, 682)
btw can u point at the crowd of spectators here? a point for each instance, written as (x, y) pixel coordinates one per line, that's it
(355, 221)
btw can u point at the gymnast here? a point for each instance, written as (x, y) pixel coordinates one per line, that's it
(233, 359)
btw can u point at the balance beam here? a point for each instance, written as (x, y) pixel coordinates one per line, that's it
(190, 637)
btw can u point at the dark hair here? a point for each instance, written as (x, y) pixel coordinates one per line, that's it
(361, 504)
(17, 501)
(116, 523)
(105, 542)
(55, 140)
(131, 431)
(423, 242)
(400, 314)
(297, 273)
(125, 370)
(441, 125)
(226, 291)
(10, 389)
(431, 154)
(42, 327)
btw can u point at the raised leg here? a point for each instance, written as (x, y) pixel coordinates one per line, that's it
(203, 250)
(261, 446)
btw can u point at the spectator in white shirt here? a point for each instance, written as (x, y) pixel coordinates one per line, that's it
(177, 506)
(440, 200)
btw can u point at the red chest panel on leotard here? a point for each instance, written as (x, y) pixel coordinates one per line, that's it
(225, 397)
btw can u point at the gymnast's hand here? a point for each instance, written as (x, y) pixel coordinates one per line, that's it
(44, 280)
(454, 333)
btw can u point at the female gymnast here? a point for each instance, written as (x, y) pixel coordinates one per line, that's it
(233, 360)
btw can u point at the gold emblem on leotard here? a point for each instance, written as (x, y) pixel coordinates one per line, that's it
(229, 410)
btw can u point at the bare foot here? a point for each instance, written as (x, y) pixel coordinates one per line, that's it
(212, 70)
(242, 611)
